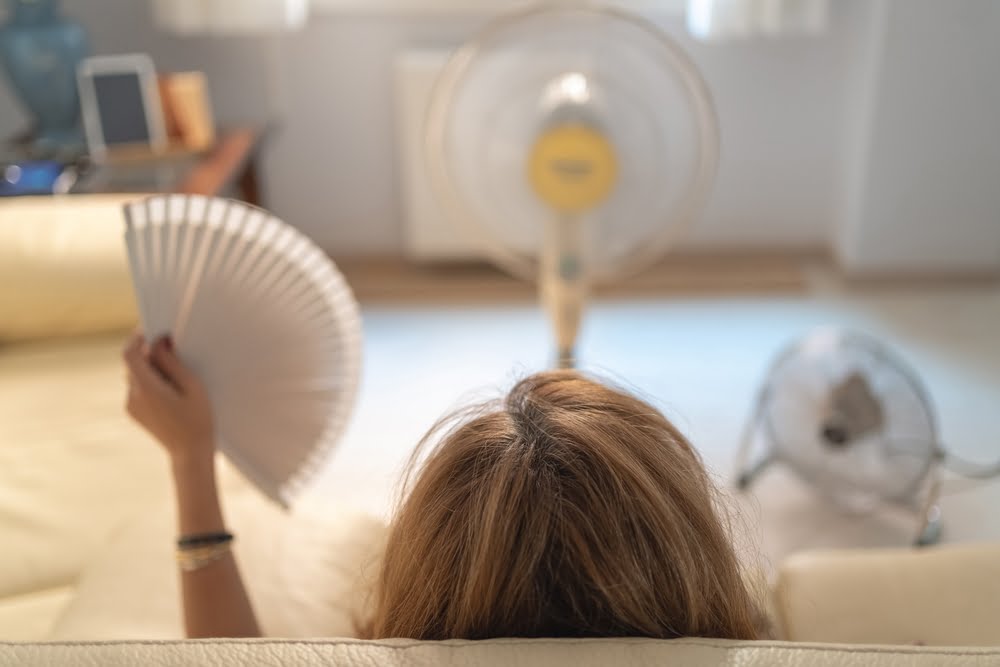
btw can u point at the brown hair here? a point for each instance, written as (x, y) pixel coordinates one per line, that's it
(571, 510)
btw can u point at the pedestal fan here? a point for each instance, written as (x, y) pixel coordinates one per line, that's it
(576, 143)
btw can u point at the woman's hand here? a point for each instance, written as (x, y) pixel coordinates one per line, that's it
(169, 401)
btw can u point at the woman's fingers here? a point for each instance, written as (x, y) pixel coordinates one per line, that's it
(135, 343)
(135, 406)
(145, 377)
(167, 362)
(167, 399)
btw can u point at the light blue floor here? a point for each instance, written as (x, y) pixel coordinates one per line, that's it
(701, 361)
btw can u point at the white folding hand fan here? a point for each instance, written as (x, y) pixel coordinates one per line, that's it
(576, 143)
(265, 320)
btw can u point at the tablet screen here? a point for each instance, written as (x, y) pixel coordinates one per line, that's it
(121, 109)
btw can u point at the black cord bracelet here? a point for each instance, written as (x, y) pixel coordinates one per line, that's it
(203, 540)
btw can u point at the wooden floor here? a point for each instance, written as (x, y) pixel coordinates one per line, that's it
(396, 280)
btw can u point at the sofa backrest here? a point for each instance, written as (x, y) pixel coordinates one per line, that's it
(520, 652)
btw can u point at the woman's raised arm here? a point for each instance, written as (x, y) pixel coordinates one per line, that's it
(170, 402)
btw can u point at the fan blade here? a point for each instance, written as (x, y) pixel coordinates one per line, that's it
(134, 250)
(563, 283)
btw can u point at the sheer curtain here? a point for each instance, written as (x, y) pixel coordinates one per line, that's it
(229, 16)
(714, 20)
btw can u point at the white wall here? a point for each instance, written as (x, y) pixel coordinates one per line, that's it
(924, 194)
(789, 112)
(781, 105)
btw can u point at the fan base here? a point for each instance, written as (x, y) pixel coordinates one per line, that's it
(930, 534)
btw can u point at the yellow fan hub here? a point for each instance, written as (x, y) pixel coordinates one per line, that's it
(573, 168)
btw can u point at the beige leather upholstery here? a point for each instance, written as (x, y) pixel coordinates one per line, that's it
(63, 268)
(72, 465)
(29, 617)
(942, 596)
(519, 652)
(308, 573)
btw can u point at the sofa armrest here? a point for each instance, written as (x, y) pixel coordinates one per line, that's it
(63, 267)
(942, 596)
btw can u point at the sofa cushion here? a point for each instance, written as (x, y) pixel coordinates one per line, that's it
(29, 617)
(63, 268)
(72, 464)
(308, 573)
(944, 596)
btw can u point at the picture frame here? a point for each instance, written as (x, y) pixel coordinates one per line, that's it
(120, 105)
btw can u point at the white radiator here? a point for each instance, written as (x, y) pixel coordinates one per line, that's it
(428, 234)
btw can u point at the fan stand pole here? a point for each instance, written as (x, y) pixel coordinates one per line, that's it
(563, 285)
(746, 471)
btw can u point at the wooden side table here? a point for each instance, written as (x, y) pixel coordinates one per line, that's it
(230, 168)
(232, 163)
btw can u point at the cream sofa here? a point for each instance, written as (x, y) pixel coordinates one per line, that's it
(86, 522)
(523, 653)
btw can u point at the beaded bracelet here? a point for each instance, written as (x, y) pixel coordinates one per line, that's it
(190, 559)
(196, 551)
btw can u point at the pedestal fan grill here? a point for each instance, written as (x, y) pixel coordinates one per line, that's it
(575, 143)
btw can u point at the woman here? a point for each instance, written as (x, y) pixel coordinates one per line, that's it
(569, 510)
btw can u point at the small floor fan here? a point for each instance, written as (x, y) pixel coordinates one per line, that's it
(576, 143)
(851, 419)
(262, 316)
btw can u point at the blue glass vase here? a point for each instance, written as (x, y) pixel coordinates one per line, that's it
(40, 51)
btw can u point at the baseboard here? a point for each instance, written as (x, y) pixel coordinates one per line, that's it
(929, 279)
(389, 279)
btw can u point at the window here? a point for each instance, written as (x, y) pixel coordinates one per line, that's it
(418, 7)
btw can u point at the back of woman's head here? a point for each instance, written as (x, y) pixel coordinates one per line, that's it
(571, 510)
